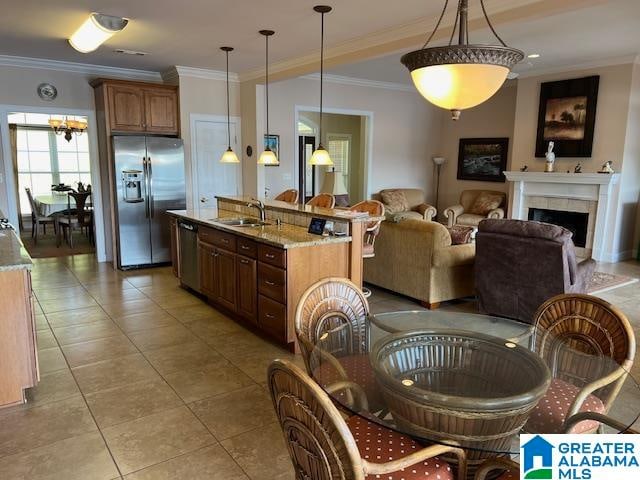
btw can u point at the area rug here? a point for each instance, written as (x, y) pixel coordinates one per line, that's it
(602, 282)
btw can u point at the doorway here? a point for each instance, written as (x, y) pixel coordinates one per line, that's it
(53, 182)
(209, 140)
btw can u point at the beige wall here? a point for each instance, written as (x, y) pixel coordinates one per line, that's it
(630, 189)
(495, 118)
(406, 130)
(206, 97)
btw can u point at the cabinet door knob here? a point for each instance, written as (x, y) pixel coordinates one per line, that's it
(244, 262)
(270, 283)
(270, 255)
(245, 247)
(270, 315)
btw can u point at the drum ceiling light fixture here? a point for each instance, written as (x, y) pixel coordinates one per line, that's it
(463, 75)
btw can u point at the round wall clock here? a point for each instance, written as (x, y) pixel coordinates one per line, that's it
(47, 92)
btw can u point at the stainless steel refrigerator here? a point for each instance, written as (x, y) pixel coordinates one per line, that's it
(149, 180)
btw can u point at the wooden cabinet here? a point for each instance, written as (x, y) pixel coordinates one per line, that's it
(207, 263)
(247, 274)
(226, 279)
(138, 107)
(174, 234)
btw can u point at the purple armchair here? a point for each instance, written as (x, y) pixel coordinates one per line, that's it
(519, 265)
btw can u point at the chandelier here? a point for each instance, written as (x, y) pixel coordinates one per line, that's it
(67, 127)
(462, 75)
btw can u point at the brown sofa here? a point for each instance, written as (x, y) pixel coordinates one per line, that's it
(520, 265)
(418, 209)
(415, 258)
(459, 214)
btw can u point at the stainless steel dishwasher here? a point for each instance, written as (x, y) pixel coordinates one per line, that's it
(189, 254)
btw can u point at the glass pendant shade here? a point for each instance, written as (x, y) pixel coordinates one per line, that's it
(268, 158)
(459, 86)
(229, 157)
(320, 157)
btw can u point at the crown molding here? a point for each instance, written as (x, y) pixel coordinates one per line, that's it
(79, 68)
(605, 62)
(174, 73)
(360, 82)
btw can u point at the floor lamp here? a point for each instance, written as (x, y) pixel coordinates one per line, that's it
(438, 162)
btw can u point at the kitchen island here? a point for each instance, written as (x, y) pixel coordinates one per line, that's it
(257, 273)
(18, 352)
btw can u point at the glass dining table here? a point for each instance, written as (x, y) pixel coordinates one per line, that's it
(468, 380)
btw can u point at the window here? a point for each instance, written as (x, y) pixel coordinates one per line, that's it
(339, 147)
(46, 159)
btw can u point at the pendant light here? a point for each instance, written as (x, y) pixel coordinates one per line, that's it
(268, 157)
(229, 156)
(321, 156)
(462, 75)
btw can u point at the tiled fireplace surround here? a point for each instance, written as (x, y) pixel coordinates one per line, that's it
(590, 193)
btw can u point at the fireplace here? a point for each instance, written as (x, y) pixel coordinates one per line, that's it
(576, 222)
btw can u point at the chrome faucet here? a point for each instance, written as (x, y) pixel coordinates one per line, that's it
(260, 206)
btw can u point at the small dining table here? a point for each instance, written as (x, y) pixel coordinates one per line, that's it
(457, 378)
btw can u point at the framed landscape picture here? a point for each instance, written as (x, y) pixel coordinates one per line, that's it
(482, 159)
(567, 116)
(273, 142)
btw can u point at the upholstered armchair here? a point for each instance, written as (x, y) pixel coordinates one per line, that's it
(402, 203)
(521, 264)
(475, 206)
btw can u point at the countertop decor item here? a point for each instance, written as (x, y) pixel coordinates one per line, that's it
(47, 92)
(462, 75)
(321, 156)
(268, 156)
(229, 156)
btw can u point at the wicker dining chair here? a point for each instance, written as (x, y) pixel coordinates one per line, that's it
(289, 196)
(621, 427)
(324, 200)
(510, 469)
(325, 446)
(591, 328)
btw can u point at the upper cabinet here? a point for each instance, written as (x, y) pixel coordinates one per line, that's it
(138, 107)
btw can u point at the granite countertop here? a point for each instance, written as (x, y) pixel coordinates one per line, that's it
(283, 236)
(326, 213)
(13, 255)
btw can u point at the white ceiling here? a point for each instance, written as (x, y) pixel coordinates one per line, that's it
(589, 35)
(189, 32)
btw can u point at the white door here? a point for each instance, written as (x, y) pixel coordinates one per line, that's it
(210, 177)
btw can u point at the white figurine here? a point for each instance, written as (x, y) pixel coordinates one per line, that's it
(606, 167)
(551, 158)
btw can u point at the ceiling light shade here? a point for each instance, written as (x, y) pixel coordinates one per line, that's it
(268, 158)
(96, 30)
(229, 156)
(460, 76)
(320, 157)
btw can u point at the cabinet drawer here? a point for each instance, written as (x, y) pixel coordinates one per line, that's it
(273, 256)
(272, 282)
(272, 317)
(248, 248)
(224, 240)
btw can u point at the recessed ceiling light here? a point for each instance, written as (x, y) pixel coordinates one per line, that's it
(96, 30)
(533, 55)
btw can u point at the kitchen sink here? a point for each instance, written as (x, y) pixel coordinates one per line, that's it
(240, 222)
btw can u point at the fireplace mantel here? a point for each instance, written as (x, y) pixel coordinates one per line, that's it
(592, 187)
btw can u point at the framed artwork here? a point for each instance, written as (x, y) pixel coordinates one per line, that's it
(567, 116)
(273, 142)
(482, 159)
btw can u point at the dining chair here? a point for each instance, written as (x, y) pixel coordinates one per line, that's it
(375, 209)
(323, 200)
(574, 333)
(38, 219)
(324, 446)
(333, 336)
(289, 196)
(81, 217)
(621, 427)
(510, 469)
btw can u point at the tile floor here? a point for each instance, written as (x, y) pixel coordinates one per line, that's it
(143, 381)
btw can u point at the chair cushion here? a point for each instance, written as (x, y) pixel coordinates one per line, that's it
(551, 412)
(485, 202)
(469, 219)
(377, 444)
(509, 475)
(394, 201)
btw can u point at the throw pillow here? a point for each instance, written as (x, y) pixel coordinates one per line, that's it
(460, 234)
(485, 202)
(394, 201)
